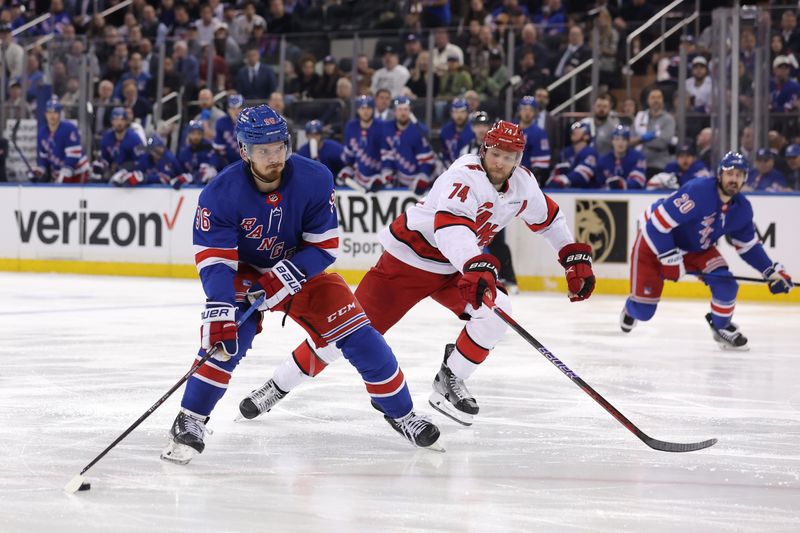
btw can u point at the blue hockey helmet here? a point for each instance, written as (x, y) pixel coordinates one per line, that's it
(401, 100)
(155, 141)
(194, 125)
(793, 150)
(262, 125)
(733, 160)
(313, 126)
(528, 101)
(365, 100)
(581, 126)
(119, 112)
(459, 103)
(621, 131)
(53, 104)
(235, 101)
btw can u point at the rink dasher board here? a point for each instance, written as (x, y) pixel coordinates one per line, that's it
(147, 231)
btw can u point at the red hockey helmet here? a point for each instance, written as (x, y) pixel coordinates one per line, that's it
(505, 136)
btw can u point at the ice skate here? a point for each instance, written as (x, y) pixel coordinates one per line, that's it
(185, 438)
(626, 321)
(729, 337)
(450, 395)
(261, 400)
(419, 430)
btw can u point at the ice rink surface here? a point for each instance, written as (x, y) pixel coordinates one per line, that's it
(83, 357)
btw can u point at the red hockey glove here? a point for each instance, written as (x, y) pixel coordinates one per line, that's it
(672, 267)
(480, 275)
(576, 258)
(282, 281)
(779, 280)
(219, 327)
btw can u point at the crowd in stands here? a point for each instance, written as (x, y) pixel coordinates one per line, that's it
(219, 57)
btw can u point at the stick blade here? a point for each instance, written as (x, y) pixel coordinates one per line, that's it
(678, 447)
(74, 484)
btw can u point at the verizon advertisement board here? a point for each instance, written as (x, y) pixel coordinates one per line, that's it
(154, 225)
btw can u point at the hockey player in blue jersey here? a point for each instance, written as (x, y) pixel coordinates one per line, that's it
(679, 235)
(457, 132)
(267, 226)
(578, 165)
(59, 155)
(537, 146)
(197, 157)
(224, 135)
(120, 147)
(623, 167)
(326, 151)
(362, 148)
(406, 156)
(676, 173)
(157, 165)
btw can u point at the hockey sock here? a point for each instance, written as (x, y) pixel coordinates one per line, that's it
(640, 311)
(368, 352)
(723, 297)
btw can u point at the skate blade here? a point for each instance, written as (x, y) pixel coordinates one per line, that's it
(435, 447)
(728, 348)
(441, 404)
(178, 454)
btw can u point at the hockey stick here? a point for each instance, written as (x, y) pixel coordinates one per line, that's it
(739, 278)
(79, 482)
(656, 444)
(16, 146)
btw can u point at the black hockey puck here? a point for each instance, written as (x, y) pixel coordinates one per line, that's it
(85, 486)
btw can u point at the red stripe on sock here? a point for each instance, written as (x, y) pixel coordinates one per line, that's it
(470, 349)
(386, 388)
(307, 360)
(213, 374)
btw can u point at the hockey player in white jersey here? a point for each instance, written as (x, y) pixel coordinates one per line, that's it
(436, 249)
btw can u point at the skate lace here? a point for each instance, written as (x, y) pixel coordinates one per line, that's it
(196, 428)
(458, 387)
(266, 397)
(413, 424)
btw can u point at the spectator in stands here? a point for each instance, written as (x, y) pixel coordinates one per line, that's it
(183, 25)
(703, 143)
(268, 45)
(279, 20)
(278, 104)
(383, 105)
(792, 156)
(476, 11)
(530, 41)
(747, 50)
(531, 74)
(206, 26)
(552, 18)
(131, 98)
(497, 76)
(326, 151)
(243, 24)
(227, 47)
(166, 14)
(326, 88)
(102, 106)
(209, 114)
(117, 63)
(575, 53)
(654, 129)
(95, 31)
(413, 47)
(392, 76)
(337, 115)
(473, 100)
(106, 48)
(220, 73)
(602, 124)
(630, 107)
(418, 79)
(747, 143)
(58, 77)
(135, 73)
(686, 167)
(577, 167)
(698, 87)
(456, 133)
(75, 58)
(364, 73)
(789, 30)
(784, 90)
(623, 167)
(16, 107)
(152, 28)
(764, 177)
(70, 98)
(477, 54)
(254, 79)
(35, 77)
(536, 155)
(11, 54)
(609, 43)
(304, 87)
(777, 46)
(633, 14)
(435, 14)
(545, 120)
(456, 80)
(57, 20)
(442, 50)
